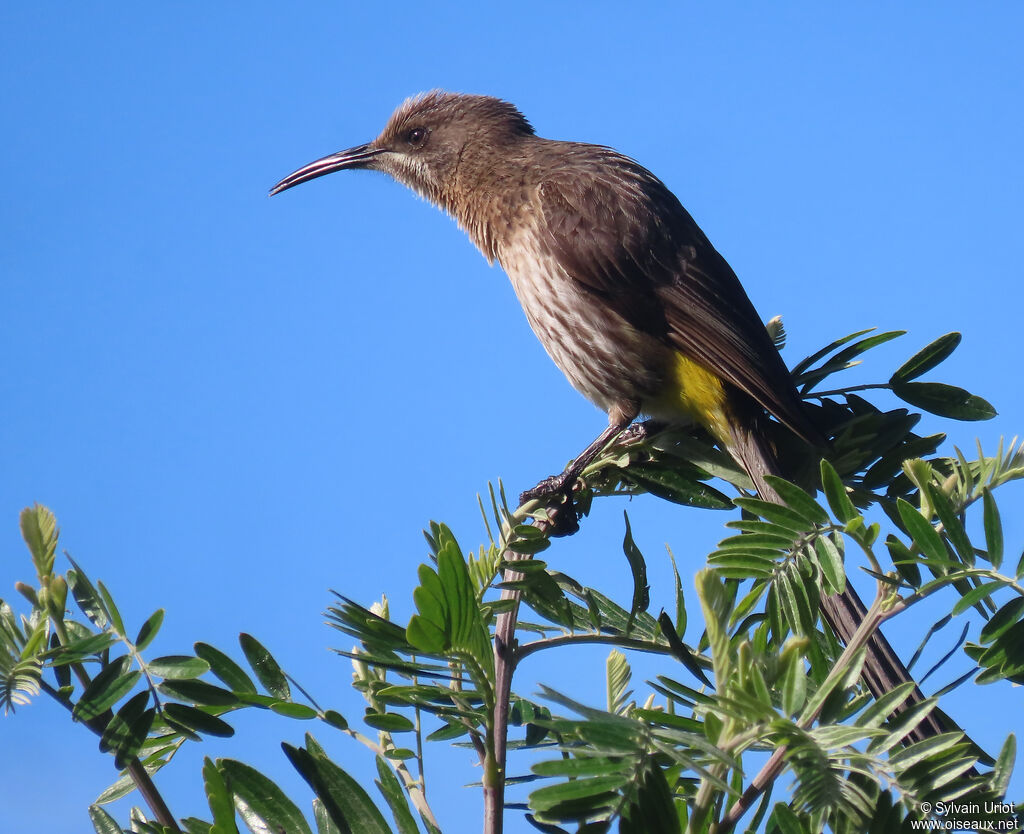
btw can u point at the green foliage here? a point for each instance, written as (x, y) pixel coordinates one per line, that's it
(766, 690)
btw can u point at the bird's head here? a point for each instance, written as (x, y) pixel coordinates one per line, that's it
(426, 141)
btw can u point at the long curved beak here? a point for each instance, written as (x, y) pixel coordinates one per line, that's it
(358, 157)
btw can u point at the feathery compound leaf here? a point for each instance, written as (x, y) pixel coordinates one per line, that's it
(617, 678)
(926, 358)
(261, 803)
(39, 530)
(348, 805)
(448, 615)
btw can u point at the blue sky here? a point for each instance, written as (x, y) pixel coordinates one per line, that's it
(235, 403)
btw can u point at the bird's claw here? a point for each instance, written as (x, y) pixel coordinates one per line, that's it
(557, 494)
(547, 488)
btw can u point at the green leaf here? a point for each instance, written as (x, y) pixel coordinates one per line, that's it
(651, 810)
(262, 804)
(391, 788)
(290, 709)
(177, 667)
(845, 358)
(324, 823)
(977, 593)
(926, 358)
(449, 615)
(111, 608)
(830, 560)
(198, 692)
(78, 649)
(993, 528)
(39, 530)
(794, 683)
(86, 597)
(617, 678)
(925, 536)
(798, 500)
(347, 804)
(336, 719)
(672, 484)
(805, 363)
(1003, 768)
(102, 822)
(263, 664)
(952, 526)
(1004, 619)
(229, 672)
(944, 400)
(776, 513)
(149, 629)
(920, 750)
(106, 689)
(835, 493)
(128, 728)
(784, 821)
(638, 567)
(197, 720)
(680, 651)
(581, 767)
(194, 825)
(391, 722)
(680, 623)
(596, 790)
(219, 799)
(903, 560)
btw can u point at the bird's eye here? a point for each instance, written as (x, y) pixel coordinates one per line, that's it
(416, 137)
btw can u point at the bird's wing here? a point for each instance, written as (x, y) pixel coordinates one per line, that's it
(624, 237)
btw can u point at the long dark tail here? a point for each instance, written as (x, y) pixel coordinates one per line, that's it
(843, 612)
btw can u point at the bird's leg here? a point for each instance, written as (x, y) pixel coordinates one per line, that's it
(563, 483)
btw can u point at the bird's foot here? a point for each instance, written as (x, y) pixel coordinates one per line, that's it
(557, 494)
(548, 488)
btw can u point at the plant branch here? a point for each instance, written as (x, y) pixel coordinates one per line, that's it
(136, 770)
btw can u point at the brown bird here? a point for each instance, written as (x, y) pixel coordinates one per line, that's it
(623, 289)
